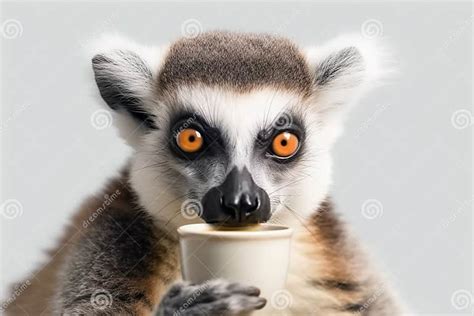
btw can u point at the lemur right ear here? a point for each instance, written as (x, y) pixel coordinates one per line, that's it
(123, 80)
(125, 75)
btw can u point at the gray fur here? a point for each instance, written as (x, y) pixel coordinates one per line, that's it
(118, 251)
(345, 61)
(216, 297)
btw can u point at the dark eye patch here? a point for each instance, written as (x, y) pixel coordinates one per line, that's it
(266, 135)
(212, 138)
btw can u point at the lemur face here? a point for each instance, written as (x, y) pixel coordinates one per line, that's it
(240, 154)
(240, 124)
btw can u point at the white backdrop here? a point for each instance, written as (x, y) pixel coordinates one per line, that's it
(406, 149)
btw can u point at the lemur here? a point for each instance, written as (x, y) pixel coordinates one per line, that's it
(243, 123)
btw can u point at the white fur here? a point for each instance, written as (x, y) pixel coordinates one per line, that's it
(337, 98)
(108, 44)
(349, 85)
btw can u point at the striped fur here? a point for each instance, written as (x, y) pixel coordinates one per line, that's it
(330, 273)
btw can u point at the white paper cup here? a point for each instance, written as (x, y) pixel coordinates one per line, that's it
(256, 255)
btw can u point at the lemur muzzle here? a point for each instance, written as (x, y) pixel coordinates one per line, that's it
(237, 201)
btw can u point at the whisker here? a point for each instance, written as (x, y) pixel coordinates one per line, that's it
(151, 166)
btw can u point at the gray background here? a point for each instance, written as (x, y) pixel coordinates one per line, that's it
(405, 145)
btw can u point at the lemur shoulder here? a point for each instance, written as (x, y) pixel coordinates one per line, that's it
(255, 108)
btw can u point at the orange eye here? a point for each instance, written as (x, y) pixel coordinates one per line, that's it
(189, 140)
(285, 144)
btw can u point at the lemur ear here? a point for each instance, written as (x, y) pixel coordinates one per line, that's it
(123, 78)
(343, 70)
(124, 73)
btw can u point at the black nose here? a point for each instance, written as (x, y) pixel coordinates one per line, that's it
(238, 200)
(245, 203)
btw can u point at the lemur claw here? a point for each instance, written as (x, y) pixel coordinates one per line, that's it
(215, 297)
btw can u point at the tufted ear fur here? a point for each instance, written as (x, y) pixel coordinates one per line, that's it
(344, 69)
(125, 74)
(123, 80)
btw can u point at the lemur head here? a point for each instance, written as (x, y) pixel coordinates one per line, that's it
(242, 123)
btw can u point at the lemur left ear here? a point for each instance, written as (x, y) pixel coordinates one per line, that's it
(343, 70)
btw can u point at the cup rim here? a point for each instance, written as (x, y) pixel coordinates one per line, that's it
(271, 231)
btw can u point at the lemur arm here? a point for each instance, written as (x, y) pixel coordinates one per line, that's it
(120, 266)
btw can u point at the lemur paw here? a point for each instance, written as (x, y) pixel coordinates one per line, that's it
(215, 297)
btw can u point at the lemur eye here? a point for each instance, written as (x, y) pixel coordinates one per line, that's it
(189, 140)
(285, 144)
